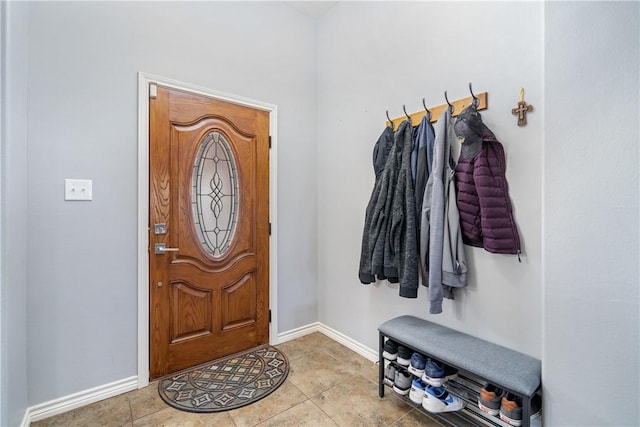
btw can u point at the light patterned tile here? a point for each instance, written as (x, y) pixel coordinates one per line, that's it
(302, 415)
(370, 372)
(171, 417)
(317, 339)
(109, 412)
(317, 372)
(300, 347)
(328, 384)
(417, 418)
(451, 418)
(357, 364)
(338, 350)
(355, 402)
(285, 397)
(146, 401)
(294, 349)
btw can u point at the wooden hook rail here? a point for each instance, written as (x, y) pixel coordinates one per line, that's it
(458, 106)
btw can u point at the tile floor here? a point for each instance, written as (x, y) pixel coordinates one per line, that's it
(328, 385)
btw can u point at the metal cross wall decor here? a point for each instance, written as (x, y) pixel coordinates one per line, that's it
(522, 109)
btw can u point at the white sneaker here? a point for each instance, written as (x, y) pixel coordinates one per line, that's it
(437, 399)
(416, 394)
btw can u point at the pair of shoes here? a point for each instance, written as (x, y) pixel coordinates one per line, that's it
(395, 352)
(390, 350)
(397, 378)
(494, 401)
(417, 391)
(437, 400)
(511, 409)
(436, 373)
(490, 398)
(402, 382)
(434, 399)
(418, 362)
(390, 374)
(404, 356)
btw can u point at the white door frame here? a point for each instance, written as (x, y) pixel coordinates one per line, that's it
(144, 80)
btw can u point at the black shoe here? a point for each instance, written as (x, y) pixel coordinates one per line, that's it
(404, 356)
(390, 350)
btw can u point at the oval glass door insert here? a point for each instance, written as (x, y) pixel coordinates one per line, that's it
(214, 196)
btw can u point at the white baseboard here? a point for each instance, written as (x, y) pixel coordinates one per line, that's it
(350, 343)
(25, 420)
(298, 332)
(76, 400)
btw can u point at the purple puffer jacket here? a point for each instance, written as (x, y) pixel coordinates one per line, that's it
(483, 199)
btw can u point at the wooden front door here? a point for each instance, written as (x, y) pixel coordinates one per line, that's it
(209, 207)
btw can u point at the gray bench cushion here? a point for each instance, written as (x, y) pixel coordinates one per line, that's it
(498, 365)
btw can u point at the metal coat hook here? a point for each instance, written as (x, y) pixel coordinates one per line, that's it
(448, 103)
(405, 112)
(424, 104)
(391, 124)
(475, 98)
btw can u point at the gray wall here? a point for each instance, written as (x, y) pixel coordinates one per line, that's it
(398, 53)
(572, 172)
(13, 204)
(83, 64)
(592, 133)
(573, 175)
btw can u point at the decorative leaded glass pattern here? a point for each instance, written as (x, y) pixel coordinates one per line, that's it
(214, 196)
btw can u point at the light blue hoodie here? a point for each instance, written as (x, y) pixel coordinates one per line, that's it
(441, 247)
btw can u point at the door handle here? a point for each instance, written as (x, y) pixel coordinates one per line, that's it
(161, 248)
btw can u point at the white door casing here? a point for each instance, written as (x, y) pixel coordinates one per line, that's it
(144, 80)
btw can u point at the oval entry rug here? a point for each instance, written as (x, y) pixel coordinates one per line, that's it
(226, 383)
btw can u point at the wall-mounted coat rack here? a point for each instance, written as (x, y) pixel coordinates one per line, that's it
(458, 106)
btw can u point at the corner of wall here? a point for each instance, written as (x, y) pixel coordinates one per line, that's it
(13, 117)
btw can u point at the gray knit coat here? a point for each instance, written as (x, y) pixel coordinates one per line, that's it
(379, 241)
(381, 152)
(402, 232)
(392, 229)
(441, 247)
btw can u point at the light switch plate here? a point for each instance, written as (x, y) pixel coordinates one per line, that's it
(78, 189)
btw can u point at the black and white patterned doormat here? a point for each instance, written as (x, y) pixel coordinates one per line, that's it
(226, 383)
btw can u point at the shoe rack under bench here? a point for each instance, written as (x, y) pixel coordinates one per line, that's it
(468, 355)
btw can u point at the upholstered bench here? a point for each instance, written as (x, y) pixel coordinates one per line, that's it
(500, 366)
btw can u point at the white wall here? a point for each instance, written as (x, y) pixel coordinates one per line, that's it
(591, 363)
(395, 54)
(83, 64)
(13, 205)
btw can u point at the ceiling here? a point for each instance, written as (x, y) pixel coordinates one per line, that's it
(314, 9)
